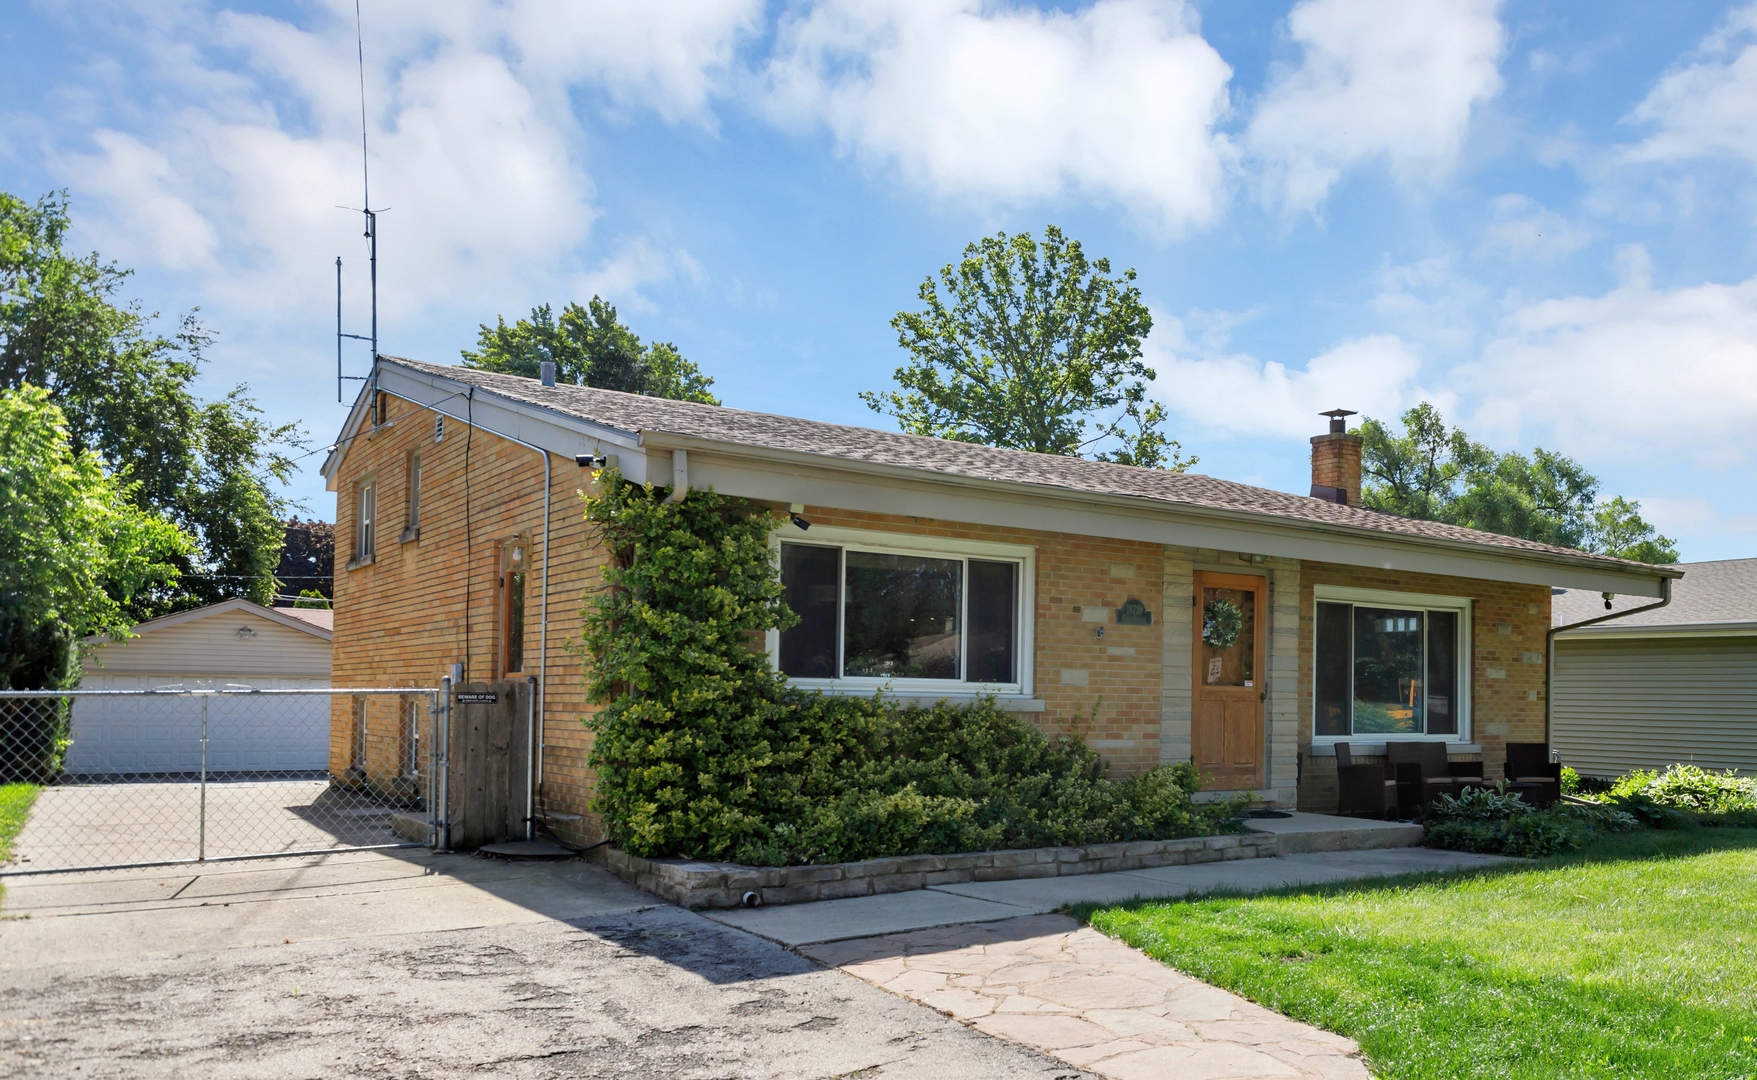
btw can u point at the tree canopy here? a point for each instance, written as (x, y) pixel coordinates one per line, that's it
(589, 346)
(1034, 347)
(127, 393)
(1433, 471)
(75, 549)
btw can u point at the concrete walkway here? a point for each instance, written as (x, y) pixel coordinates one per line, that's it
(989, 955)
(1051, 984)
(988, 901)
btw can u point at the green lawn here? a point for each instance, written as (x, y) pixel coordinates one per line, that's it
(1635, 959)
(15, 806)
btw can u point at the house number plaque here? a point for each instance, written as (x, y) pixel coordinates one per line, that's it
(1133, 613)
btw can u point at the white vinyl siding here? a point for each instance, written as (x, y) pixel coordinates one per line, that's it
(1644, 703)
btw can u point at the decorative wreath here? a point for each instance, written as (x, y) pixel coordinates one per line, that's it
(1221, 622)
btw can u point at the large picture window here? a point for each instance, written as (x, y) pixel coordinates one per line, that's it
(1389, 665)
(872, 613)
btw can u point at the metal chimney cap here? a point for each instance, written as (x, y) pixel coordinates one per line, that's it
(547, 372)
(1337, 424)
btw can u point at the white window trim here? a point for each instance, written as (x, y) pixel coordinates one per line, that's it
(1463, 605)
(363, 556)
(889, 543)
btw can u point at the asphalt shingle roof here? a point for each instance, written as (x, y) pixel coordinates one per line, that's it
(634, 413)
(1724, 591)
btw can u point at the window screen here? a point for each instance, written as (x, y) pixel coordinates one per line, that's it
(811, 577)
(994, 610)
(1334, 689)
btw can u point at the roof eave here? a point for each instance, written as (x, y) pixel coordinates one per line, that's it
(667, 440)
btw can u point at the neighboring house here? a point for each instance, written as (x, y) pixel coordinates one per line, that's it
(1075, 592)
(1678, 683)
(232, 643)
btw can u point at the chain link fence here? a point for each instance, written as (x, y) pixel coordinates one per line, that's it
(203, 774)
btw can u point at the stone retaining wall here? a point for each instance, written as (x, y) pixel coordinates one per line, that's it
(724, 885)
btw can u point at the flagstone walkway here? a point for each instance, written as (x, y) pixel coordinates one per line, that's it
(1052, 984)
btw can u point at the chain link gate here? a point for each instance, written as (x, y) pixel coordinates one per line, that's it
(188, 775)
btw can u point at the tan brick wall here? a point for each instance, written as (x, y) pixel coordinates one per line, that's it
(1508, 625)
(424, 604)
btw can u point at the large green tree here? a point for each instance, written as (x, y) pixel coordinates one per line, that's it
(75, 548)
(1034, 347)
(127, 391)
(1434, 471)
(589, 346)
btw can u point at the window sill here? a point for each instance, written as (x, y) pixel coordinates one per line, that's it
(409, 536)
(1377, 749)
(355, 564)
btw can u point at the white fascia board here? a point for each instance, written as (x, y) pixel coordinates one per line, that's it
(1611, 629)
(779, 476)
(554, 431)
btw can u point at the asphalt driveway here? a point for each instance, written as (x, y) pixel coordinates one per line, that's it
(420, 965)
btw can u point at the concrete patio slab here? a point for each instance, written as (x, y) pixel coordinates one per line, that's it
(864, 916)
(1051, 984)
(976, 902)
(1301, 832)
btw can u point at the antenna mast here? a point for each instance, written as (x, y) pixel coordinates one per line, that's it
(371, 234)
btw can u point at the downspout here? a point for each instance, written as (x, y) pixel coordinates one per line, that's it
(534, 726)
(1549, 663)
(679, 476)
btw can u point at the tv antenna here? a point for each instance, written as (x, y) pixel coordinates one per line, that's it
(371, 234)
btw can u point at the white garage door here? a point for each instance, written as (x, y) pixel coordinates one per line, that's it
(130, 736)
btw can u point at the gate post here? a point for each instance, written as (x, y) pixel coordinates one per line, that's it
(201, 844)
(439, 810)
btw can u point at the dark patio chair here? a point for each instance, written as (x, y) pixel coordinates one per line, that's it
(1365, 789)
(1531, 773)
(1424, 772)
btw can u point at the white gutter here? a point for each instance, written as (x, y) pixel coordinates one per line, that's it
(1549, 653)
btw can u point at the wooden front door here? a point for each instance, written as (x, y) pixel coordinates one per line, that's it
(1230, 679)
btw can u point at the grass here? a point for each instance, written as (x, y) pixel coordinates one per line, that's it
(15, 807)
(1632, 959)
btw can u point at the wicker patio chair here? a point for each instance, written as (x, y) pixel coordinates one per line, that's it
(1531, 773)
(1424, 772)
(1365, 789)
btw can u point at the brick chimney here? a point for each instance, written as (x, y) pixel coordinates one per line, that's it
(1336, 461)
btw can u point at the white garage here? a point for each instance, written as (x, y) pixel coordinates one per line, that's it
(232, 644)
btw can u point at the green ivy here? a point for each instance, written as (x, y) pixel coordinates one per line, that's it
(702, 750)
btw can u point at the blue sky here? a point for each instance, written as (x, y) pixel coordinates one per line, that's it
(1536, 215)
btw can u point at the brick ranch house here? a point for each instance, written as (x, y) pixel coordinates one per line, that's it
(1073, 591)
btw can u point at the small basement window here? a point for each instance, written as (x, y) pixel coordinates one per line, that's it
(1390, 664)
(878, 610)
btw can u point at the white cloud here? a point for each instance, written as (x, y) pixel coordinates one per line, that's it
(1239, 395)
(1707, 106)
(1391, 80)
(1519, 227)
(1637, 374)
(636, 263)
(967, 99)
(252, 139)
(669, 57)
(160, 225)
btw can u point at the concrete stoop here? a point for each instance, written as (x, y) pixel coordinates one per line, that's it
(1303, 833)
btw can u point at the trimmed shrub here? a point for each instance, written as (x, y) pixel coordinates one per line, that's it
(703, 751)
